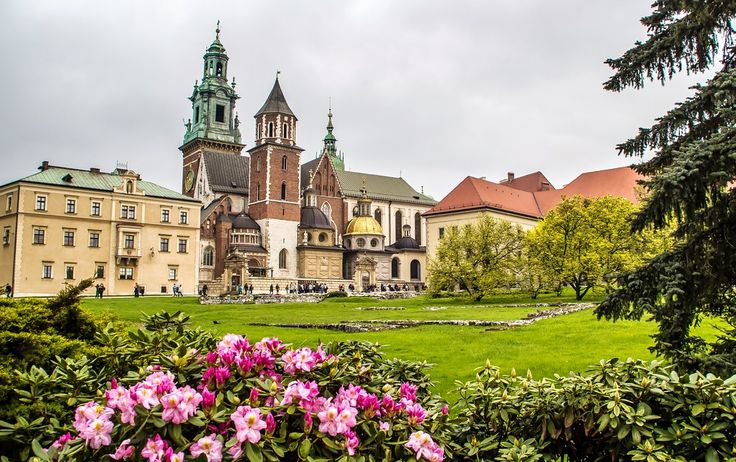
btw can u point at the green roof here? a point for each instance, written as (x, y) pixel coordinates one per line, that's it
(381, 187)
(99, 181)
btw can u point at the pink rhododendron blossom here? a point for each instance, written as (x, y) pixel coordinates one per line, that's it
(124, 451)
(113, 395)
(88, 412)
(445, 410)
(408, 391)
(370, 405)
(62, 440)
(248, 424)
(384, 426)
(236, 451)
(308, 422)
(270, 423)
(253, 397)
(415, 414)
(180, 405)
(299, 360)
(424, 447)
(304, 392)
(210, 446)
(351, 442)
(232, 343)
(145, 395)
(155, 449)
(97, 432)
(328, 420)
(352, 394)
(208, 398)
(389, 407)
(162, 381)
(172, 456)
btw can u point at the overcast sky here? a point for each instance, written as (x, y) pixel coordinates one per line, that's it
(432, 90)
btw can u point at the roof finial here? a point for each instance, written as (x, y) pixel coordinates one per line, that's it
(277, 74)
(217, 30)
(364, 190)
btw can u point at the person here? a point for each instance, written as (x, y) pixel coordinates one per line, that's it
(174, 290)
(204, 290)
(251, 289)
(136, 291)
(8, 291)
(97, 291)
(178, 291)
(102, 289)
(277, 289)
(142, 290)
(271, 289)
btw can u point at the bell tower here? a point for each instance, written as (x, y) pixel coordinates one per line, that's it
(274, 200)
(214, 125)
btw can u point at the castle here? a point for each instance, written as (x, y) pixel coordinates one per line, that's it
(267, 218)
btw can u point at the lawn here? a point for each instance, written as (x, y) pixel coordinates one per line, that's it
(553, 346)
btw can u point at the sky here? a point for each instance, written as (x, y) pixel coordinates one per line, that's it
(429, 90)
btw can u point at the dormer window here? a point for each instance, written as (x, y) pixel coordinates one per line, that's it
(129, 187)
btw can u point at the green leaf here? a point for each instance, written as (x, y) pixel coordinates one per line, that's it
(253, 452)
(38, 450)
(698, 409)
(304, 448)
(711, 455)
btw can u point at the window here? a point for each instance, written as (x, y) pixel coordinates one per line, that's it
(47, 272)
(96, 209)
(395, 268)
(165, 215)
(218, 71)
(71, 206)
(270, 130)
(182, 246)
(398, 223)
(196, 115)
(69, 272)
(183, 217)
(441, 232)
(355, 211)
(172, 273)
(258, 165)
(129, 241)
(283, 191)
(129, 187)
(374, 242)
(284, 163)
(282, 259)
(285, 132)
(94, 238)
(322, 237)
(416, 269)
(69, 239)
(258, 131)
(378, 216)
(9, 205)
(126, 272)
(348, 243)
(208, 256)
(360, 241)
(418, 228)
(41, 203)
(219, 113)
(99, 271)
(163, 245)
(6, 235)
(258, 191)
(127, 211)
(39, 236)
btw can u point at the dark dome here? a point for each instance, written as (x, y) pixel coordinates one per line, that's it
(312, 217)
(243, 221)
(406, 242)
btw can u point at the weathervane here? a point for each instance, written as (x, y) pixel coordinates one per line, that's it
(217, 31)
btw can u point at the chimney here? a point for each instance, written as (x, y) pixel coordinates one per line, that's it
(44, 166)
(483, 178)
(94, 170)
(510, 177)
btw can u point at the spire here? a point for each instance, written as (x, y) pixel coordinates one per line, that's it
(329, 137)
(364, 203)
(276, 102)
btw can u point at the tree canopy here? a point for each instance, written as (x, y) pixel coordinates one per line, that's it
(478, 258)
(689, 181)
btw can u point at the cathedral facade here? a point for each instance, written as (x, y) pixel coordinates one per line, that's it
(269, 219)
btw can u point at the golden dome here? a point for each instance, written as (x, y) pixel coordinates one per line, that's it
(363, 225)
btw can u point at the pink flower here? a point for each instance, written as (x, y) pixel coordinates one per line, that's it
(124, 451)
(408, 391)
(389, 407)
(155, 449)
(236, 451)
(97, 432)
(334, 419)
(162, 382)
(351, 442)
(145, 395)
(180, 405)
(353, 394)
(416, 414)
(253, 398)
(232, 343)
(305, 392)
(126, 405)
(370, 405)
(88, 412)
(424, 447)
(62, 440)
(113, 395)
(208, 398)
(248, 424)
(445, 410)
(270, 423)
(172, 456)
(210, 446)
(308, 422)
(384, 426)
(299, 360)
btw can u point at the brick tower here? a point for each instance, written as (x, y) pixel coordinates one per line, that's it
(274, 181)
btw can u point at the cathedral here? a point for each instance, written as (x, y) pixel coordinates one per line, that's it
(271, 218)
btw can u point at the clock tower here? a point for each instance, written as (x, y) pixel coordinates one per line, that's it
(213, 129)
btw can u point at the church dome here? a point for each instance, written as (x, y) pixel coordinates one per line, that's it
(243, 221)
(312, 217)
(406, 242)
(363, 225)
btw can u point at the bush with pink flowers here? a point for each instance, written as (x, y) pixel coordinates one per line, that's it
(261, 401)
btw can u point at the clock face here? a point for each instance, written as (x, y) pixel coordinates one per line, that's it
(189, 180)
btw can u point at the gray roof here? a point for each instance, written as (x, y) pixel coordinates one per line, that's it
(99, 181)
(276, 102)
(306, 167)
(226, 173)
(379, 187)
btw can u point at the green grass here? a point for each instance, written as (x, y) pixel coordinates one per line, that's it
(553, 346)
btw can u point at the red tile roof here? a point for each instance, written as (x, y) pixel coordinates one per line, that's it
(476, 193)
(532, 182)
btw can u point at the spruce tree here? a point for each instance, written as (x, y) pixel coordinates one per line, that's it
(690, 181)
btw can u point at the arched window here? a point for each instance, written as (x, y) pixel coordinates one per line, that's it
(285, 131)
(416, 270)
(284, 163)
(258, 131)
(317, 181)
(129, 187)
(355, 211)
(258, 191)
(282, 259)
(378, 216)
(219, 70)
(258, 164)
(418, 228)
(332, 184)
(283, 191)
(395, 268)
(270, 130)
(327, 210)
(397, 225)
(208, 256)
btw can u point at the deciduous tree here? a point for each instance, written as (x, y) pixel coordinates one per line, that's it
(689, 181)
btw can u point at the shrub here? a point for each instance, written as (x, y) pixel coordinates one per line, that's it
(336, 293)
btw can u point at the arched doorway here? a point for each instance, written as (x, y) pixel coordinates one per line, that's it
(416, 270)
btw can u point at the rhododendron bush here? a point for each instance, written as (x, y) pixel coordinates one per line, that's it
(260, 401)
